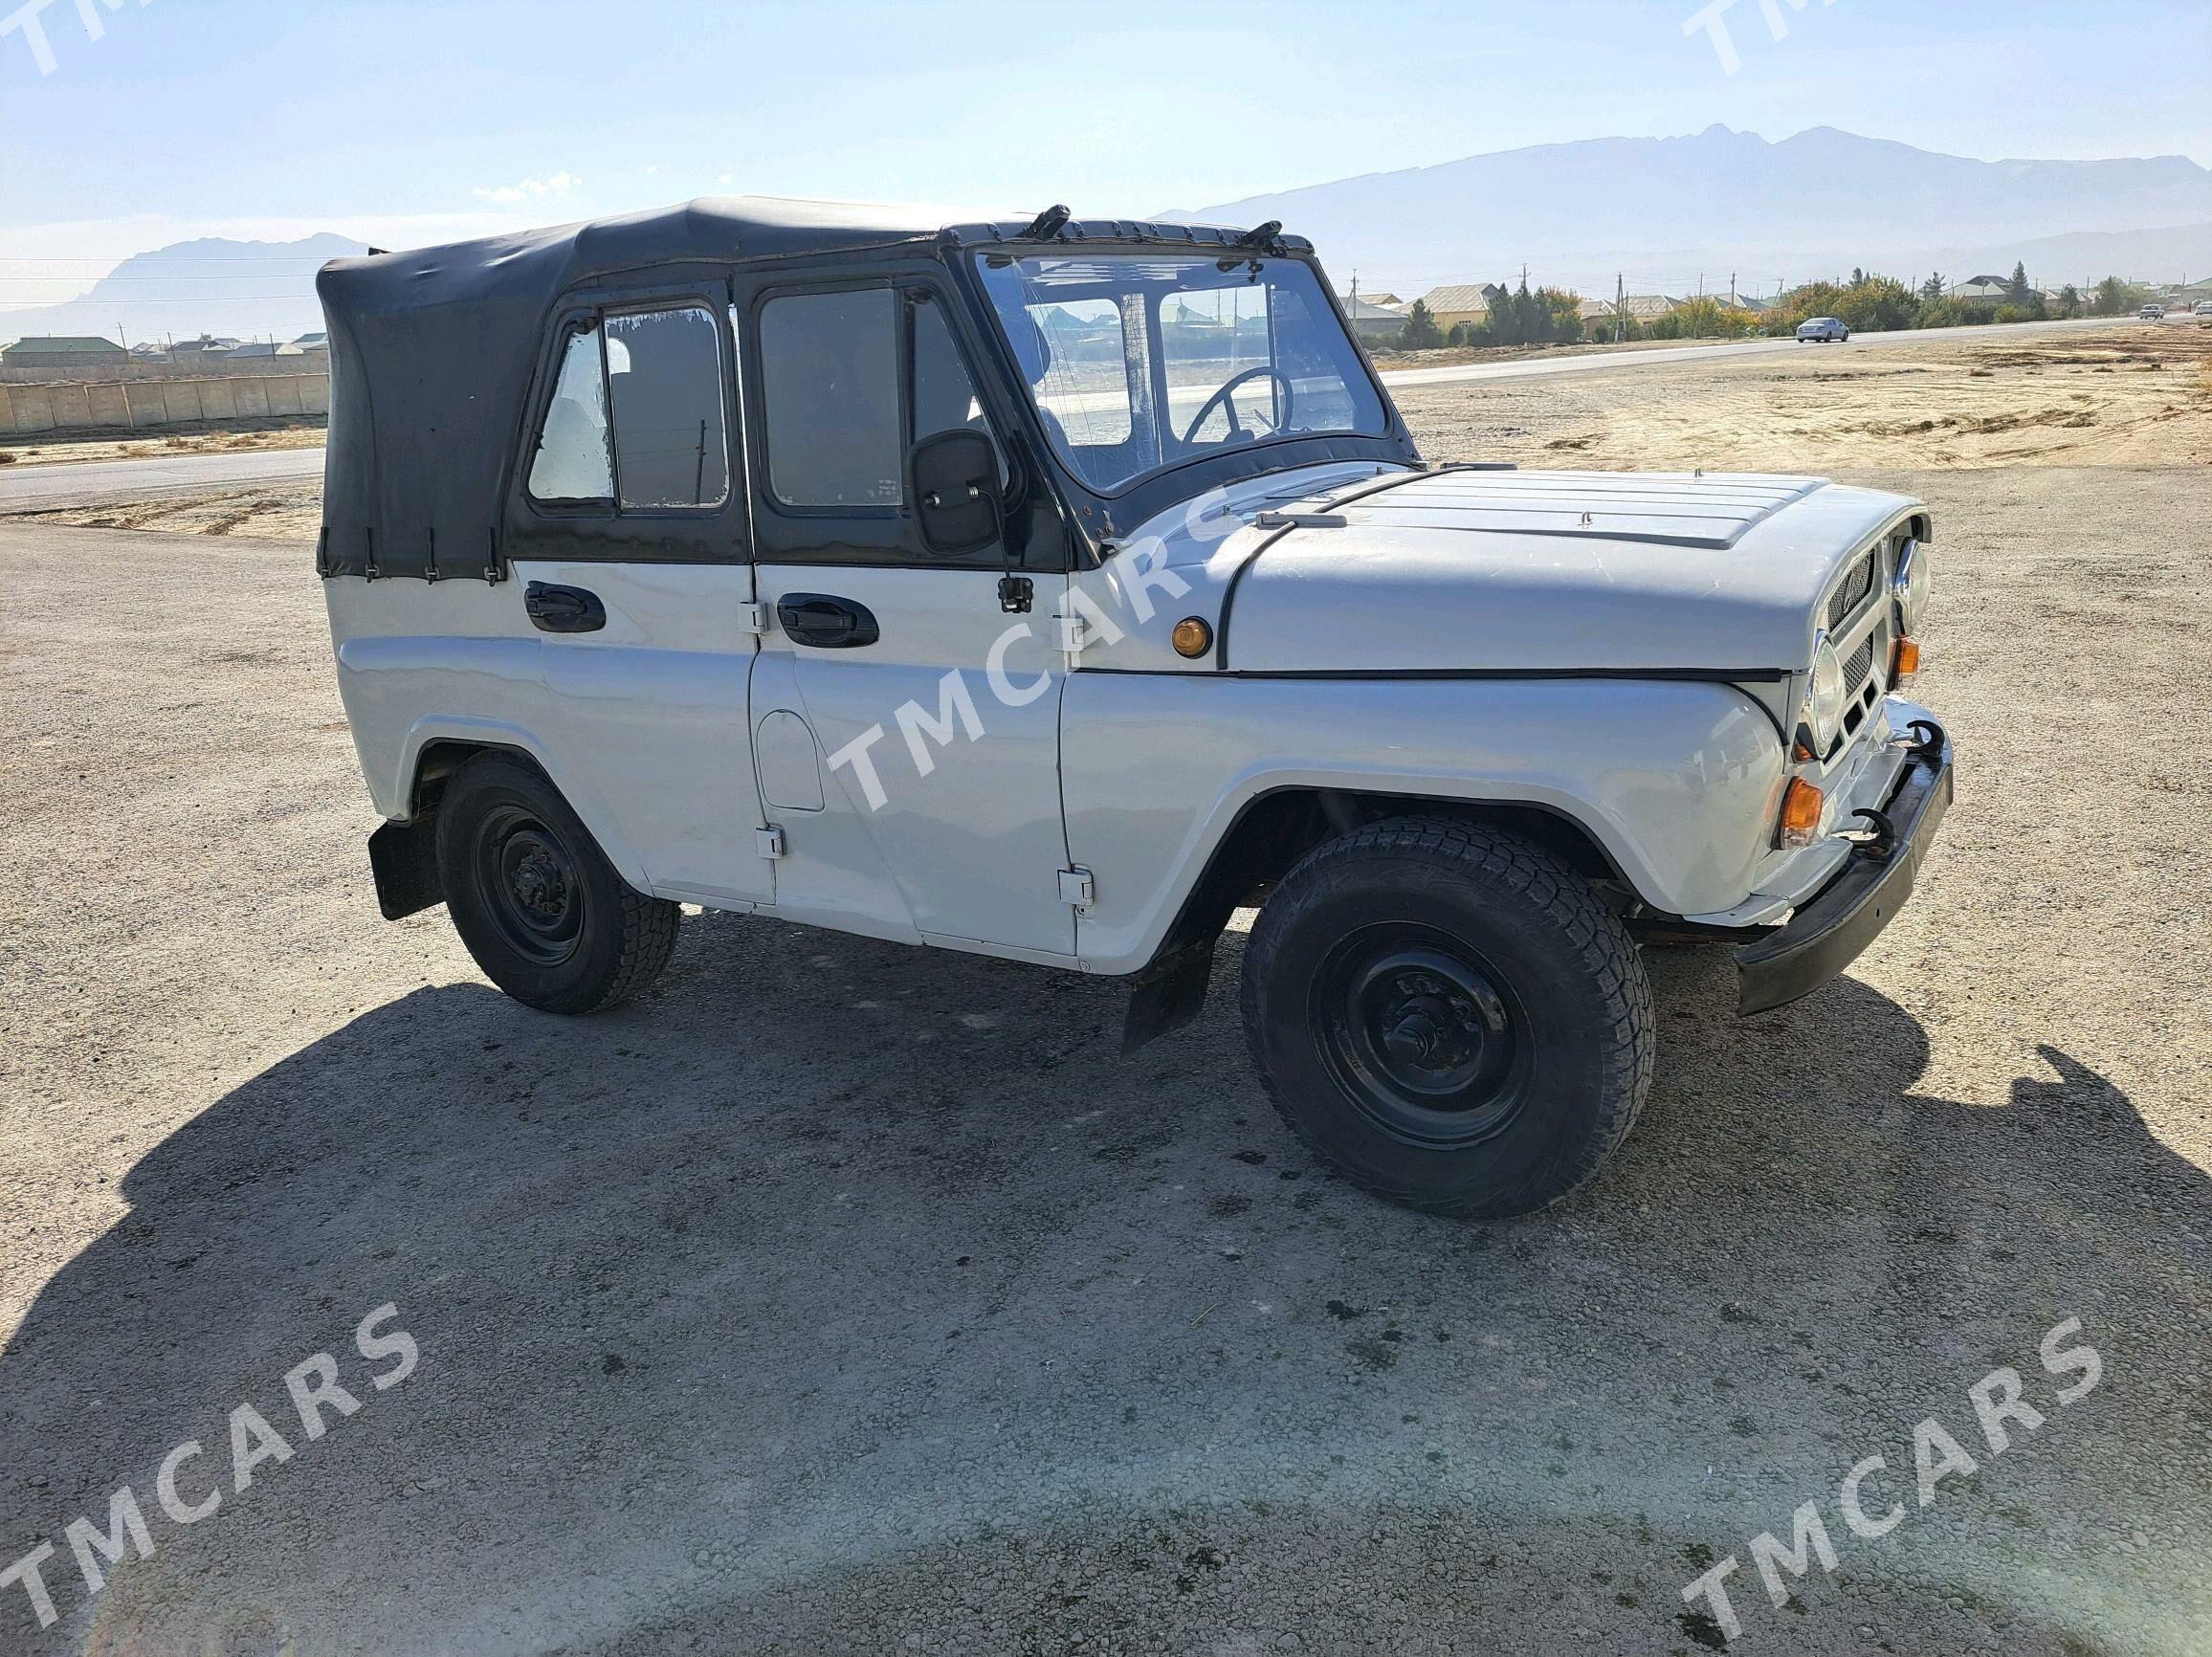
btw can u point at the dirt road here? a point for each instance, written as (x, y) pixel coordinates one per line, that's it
(843, 1298)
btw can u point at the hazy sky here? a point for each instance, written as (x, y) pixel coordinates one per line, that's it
(408, 120)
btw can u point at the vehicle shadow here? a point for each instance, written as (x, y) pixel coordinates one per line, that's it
(839, 1294)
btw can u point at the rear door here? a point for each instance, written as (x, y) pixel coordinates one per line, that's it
(630, 558)
(906, 725)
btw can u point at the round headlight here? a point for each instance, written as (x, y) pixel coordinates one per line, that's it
(1824, 695)
(1909, 586)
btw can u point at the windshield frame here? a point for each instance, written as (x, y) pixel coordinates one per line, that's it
(1101, 509)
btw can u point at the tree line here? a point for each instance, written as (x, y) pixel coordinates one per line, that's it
(1867, 303)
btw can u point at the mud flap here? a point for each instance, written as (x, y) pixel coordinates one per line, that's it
(1167, 995)
(404, 858)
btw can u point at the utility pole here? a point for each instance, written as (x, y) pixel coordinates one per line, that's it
(1620, 306)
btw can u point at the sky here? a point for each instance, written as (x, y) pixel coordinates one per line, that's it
(405, 122)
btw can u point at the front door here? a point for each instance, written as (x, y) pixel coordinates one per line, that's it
(906, 727)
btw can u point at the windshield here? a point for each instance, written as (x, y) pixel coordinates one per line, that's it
(1140, 360)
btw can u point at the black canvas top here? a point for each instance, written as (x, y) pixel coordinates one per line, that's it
(432, 351)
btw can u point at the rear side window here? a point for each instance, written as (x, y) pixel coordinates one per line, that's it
(573, 461)
(638, 415)
(829, 370)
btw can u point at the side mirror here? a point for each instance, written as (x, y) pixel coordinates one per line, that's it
(952, 477)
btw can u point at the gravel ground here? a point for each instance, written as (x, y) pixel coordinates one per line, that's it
(839, 1298)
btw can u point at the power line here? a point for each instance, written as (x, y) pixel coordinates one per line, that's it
(111, 261)
(181, 281)
(258, 301)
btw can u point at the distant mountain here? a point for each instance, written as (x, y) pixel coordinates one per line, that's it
(249, 290)
(1661, 210)
(2166, 253)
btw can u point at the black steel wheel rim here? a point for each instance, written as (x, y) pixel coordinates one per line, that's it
(531, 886)
(1423, 1034)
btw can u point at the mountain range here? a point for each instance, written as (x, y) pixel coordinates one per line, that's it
(1661, 214)
(1663, 211)
(247, 290)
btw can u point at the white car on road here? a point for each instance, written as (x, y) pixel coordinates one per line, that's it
(1052, 590)
(1821, 330)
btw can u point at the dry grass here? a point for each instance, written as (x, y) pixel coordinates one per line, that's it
(56, 448)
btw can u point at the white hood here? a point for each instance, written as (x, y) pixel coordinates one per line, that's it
(1539, 571)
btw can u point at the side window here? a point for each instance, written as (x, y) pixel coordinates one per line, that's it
(942, 395)
(639, 398)
(664, 373)
(829, 377)
(573, 462)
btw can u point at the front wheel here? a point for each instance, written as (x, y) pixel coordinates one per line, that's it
(536, 901)
(1447, 1014)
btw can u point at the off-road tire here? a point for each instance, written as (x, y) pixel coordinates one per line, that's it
(591, 945)
(1568, 983)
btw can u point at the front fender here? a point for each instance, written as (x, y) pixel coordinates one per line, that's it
(1678, 781)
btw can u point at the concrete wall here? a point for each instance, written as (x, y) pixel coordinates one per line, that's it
(26, 410)
(160, 368)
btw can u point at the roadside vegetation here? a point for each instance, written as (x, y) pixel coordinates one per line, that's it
(1520, 317)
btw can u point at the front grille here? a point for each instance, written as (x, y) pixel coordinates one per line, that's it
(1851, 592)
(1859, 664)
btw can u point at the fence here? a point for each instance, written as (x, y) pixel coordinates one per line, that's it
(182, 367)
(142, 404)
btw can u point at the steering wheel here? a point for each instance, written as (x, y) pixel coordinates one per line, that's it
(1224, 398)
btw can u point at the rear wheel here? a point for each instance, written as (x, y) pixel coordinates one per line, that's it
(537, 903)
(1449, 1016)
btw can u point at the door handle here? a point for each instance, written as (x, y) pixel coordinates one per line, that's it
(827, 623)
(563, 609)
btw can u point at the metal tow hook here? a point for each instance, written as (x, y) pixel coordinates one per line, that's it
(1877, 842)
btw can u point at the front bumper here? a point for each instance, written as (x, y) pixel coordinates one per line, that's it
(1831, 928)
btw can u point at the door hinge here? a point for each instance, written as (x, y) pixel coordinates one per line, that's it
(768, 842)
(1071, 633)
(1077, 887)
(755, 616)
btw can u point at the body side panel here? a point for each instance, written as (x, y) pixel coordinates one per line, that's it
(1678, 781)
(642, 725)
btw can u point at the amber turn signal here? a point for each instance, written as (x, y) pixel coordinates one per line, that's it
(1801, 814)
(1908, 662)
(1192, 637)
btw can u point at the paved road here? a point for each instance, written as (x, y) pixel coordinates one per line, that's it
(37, 488)
(1599, 361)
